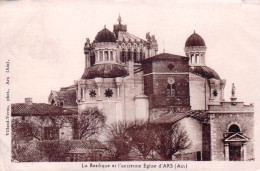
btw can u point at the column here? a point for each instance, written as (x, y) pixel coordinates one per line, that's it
(226, 152)
(79, 92)
(83, 93)
(244, 151)
(99, 84)
(119, 81)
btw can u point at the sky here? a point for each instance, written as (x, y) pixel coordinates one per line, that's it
(44, 39)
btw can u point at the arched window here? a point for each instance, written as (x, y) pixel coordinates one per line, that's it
(234, 128)
(100, 56)
(111, 56)
(123, 56)
(135, 56)
(106, 56)
(129, 54)
(92, 60)
(171, 89)
(141, 55)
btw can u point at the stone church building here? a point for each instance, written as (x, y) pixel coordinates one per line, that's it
(128, 80)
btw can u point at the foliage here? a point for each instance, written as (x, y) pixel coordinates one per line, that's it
(119, 141)
(170, 139)
(90, 123)
(142, 137)
(55, 150)
(165, 139)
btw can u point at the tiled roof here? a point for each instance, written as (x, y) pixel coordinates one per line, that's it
(204, 71)
(166, 55)
(68, 97)
(22, 109)
(104, 71)
(125, 36)
(175, 117)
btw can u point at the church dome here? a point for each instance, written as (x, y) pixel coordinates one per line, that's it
(105, 36)
(194, 40)
(105, 70)
(204, 72)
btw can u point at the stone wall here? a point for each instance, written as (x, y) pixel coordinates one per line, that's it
(224, 115)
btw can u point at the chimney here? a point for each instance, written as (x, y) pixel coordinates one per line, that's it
(28, 100)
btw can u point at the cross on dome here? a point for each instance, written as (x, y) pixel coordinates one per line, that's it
(119, 19)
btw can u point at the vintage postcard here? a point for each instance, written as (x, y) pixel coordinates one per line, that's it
(129, 85)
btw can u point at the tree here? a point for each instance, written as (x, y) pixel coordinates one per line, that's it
(170, 139)
(142, 137)
(119, 141)
(90, 123)
(55, 150)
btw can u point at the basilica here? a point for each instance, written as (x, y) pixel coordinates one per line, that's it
(126, 78)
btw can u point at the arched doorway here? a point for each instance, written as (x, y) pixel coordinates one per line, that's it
(235, 144)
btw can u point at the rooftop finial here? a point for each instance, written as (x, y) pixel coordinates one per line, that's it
(233, 93)
(194, 32)
(104, 26)
(119, 19)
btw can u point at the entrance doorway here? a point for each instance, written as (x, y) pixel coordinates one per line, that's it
(235, 153)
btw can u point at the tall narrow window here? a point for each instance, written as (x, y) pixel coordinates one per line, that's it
(135, 56)
(92, 60)
(100, 56)
(123, 56)
(141, 55)
(129, 54)
(106, 56)
(171, 89)
(111, 56)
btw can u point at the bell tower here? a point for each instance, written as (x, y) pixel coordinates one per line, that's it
(195, 50)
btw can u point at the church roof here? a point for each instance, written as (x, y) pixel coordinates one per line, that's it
(204, 71)
(105, 70)
(173, 117)
(66, 96)
(194, 40)
(166, 55)
(125, 36)
(23, 109)
(105, 36)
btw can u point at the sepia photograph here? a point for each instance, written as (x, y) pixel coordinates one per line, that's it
(127, 84)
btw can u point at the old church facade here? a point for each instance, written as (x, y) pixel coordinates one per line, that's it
(126, 78)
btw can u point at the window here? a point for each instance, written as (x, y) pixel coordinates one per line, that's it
(123, 56)
(106, 56)
(171, 89)
(109, 93)
(135, 56)
(215, 93)
(234, 128)
(198, 156)
(51, 133)
(129, 54)
(111, 56)
(170, 66)
(92, 93)
(141, 55)
(92, 60)
(100, 56)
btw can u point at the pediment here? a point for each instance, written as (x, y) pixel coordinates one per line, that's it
(236, 137)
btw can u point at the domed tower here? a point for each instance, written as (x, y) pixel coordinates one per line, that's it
(102, 57)
(195, 50)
